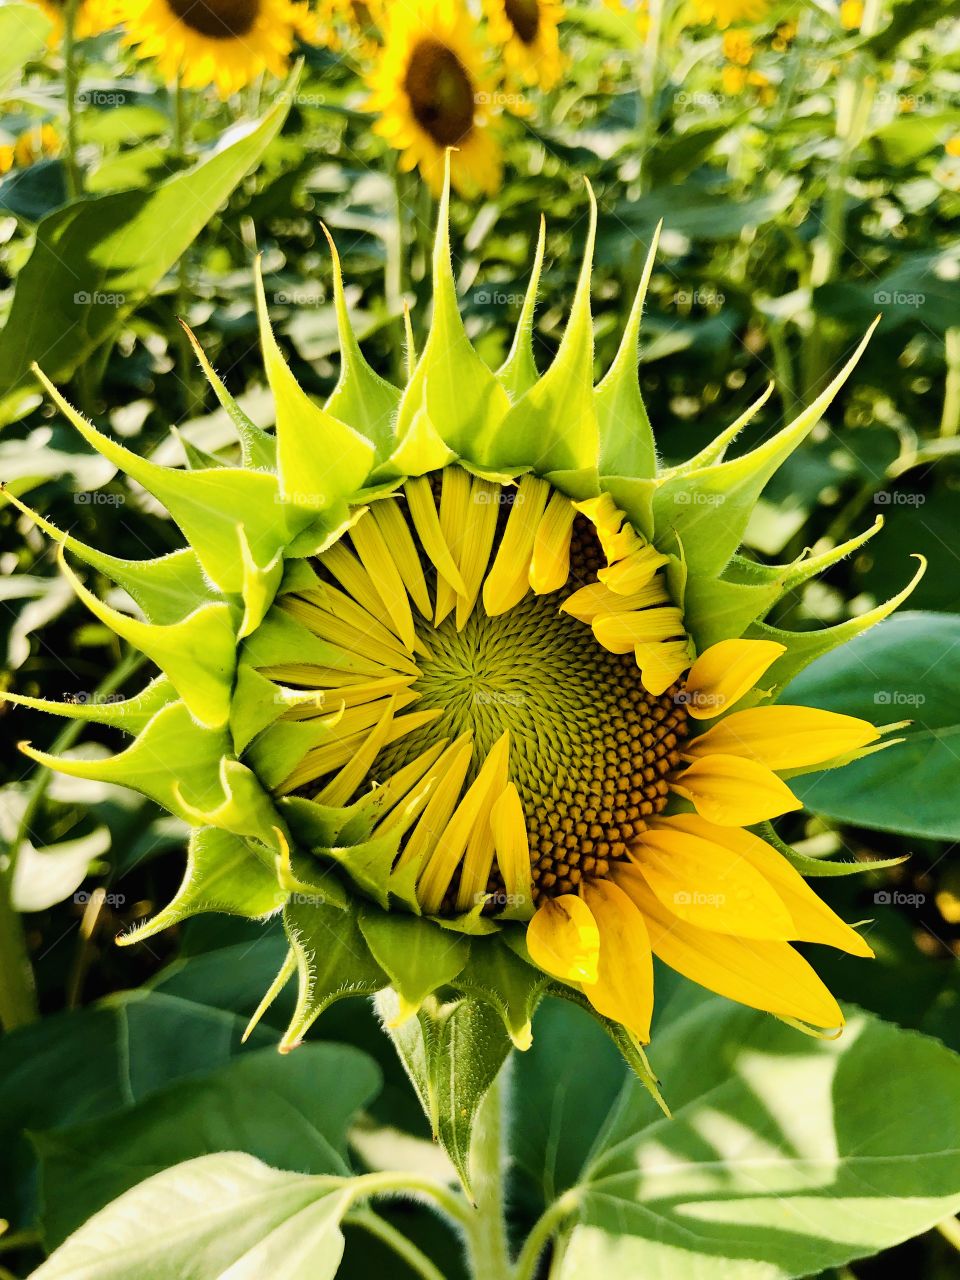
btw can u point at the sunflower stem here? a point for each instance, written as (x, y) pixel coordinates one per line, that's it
(396, 274)
(544, 1229)
(71, 80)
(487, 1236)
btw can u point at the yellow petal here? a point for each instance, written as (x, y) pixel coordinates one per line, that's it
(513, 848)
(661, 663)
(478, 858)
(550, 565)
(396, 533)
(377, 559)
(481, 528)
(455, 491)
(734, 792)
(563, 939)
(621, 632)
(708, 884)
(624, 986)
(813, 920)
(634, 571)
(595, 600)
(723, 673)
(764, 975)
(423, 512)
(509, 577)
(785, 737)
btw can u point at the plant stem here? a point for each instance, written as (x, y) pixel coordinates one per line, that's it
(192, 394)
(543, 1230)
(950, 418)
(415, 1258)
(487, 1236)
(71, 79)
(949, 1228)
(390, 1183)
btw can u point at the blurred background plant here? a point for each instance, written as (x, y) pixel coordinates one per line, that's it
(805, 159)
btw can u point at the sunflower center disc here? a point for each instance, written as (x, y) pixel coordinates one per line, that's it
(590, 748)
(440, 93)
(524, 16)
(217, 19)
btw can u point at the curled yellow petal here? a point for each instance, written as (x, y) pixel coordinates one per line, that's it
(624, 986)
(733, 792)
(725, 672)
(563, 939)
(785, 737)
(550, 565)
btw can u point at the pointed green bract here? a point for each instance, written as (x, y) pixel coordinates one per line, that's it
(320, 460)
(518, 372)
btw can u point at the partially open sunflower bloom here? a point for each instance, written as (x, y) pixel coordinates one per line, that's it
(225, 43)
(474, 690)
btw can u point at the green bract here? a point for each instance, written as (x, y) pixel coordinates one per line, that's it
(210, 741)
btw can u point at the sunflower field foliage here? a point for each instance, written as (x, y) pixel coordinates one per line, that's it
(479, 546)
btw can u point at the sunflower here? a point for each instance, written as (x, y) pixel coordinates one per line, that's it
(39, 142)
(527, 31)
(226, 43)
(478, 694)
(433, 92)
(93, 17)
(724, 12)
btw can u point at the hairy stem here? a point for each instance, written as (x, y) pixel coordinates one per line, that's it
(544, 1229)
(487, 1237)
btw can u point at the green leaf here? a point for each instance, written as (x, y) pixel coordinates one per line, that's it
(95, 260)
(291, 1112)
(452, 1051)
(115, 1053)
(903, 669)
(202, 1219)
(781, 1159)
(23, 30)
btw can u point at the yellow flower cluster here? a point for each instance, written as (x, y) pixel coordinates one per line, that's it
(40, 142)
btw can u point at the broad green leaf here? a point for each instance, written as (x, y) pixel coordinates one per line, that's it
(96, 259)
(209, 1217)
(290, 1111)
(114, 1053)
(784, 1155)
(904, 669)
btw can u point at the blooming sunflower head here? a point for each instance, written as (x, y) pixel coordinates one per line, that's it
(433, 92)
(478, 694)
(528, 33)
(225, 43)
